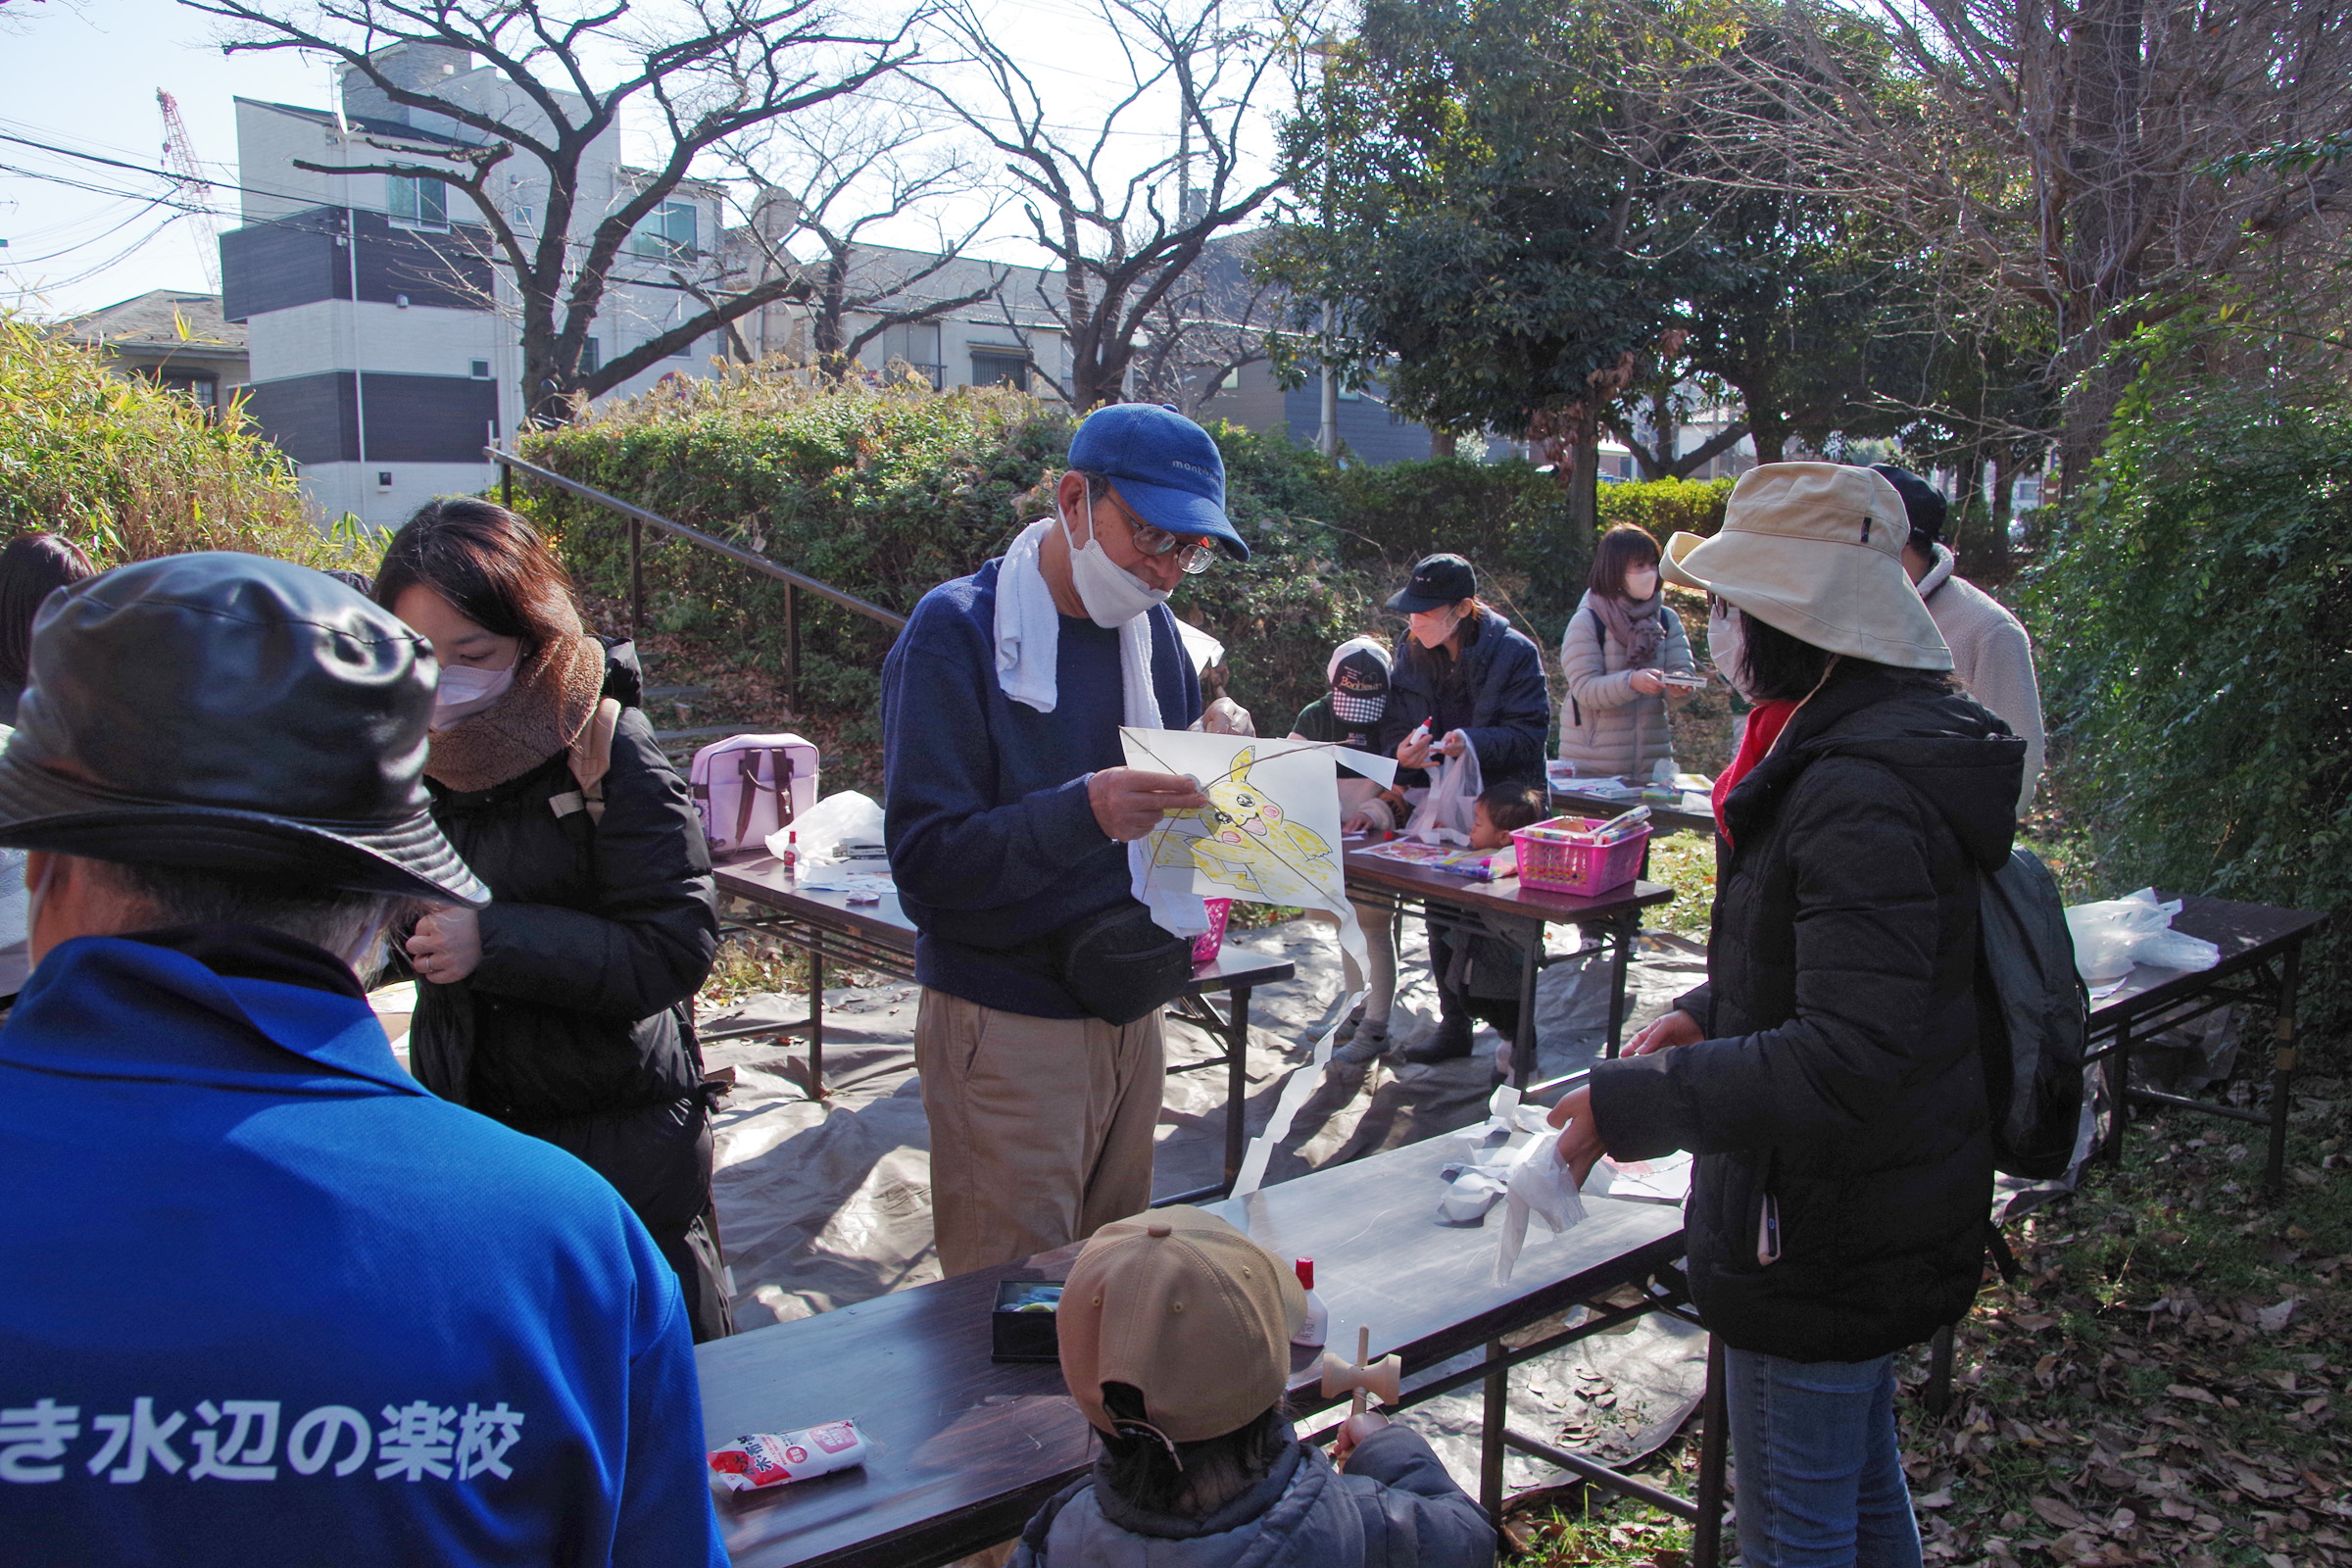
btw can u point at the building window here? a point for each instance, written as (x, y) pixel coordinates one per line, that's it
(668, 234)
(419, 202)
(1001, 368)
(481, 369)
(592, 355)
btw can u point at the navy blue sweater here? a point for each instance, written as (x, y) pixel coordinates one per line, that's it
(992, 839)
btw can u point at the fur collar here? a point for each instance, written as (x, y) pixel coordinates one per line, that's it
(541, 714)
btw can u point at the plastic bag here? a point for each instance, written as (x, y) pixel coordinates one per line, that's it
(1542, 1184)
(836, 828)
(1445, 815)
(2113, 934)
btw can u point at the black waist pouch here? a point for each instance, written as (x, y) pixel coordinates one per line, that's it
(1118, 965)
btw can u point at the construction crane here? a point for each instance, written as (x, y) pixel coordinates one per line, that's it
(195, 192)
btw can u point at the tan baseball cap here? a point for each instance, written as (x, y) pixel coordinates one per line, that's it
(1186, 1309)
(1816, 550)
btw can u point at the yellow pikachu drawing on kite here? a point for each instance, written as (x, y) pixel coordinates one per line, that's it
(1243, 841)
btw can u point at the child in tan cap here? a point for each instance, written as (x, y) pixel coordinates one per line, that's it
(1176, 1344)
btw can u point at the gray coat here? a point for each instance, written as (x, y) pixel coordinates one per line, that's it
(1606, 727)
(1394, 1507)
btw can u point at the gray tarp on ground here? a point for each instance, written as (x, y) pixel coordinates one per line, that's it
(822, 1207)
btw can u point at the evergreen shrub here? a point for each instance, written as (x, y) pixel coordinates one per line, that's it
(1666, 507)
(2193, 613)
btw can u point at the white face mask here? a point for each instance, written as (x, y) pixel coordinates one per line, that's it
(1433, 627)
(465, 690)
(1726, 646)
(1641, 584)
(1112, 595)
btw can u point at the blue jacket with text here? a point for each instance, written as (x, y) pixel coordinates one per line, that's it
(263, 1299)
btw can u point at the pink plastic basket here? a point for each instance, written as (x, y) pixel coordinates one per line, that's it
(1207, 944)
(1583, 870)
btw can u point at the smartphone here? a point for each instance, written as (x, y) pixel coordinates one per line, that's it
(1768, 1231)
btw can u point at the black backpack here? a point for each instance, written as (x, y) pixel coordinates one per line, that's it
(2033, 1019)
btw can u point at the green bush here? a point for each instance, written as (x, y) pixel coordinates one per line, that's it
(1506, 518)
(888, 491)
(129, 470)
(2194, 614)
(1666, 507)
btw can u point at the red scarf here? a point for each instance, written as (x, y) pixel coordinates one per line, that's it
(1765, 721)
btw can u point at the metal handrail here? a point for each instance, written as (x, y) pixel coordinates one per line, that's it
(736, 553)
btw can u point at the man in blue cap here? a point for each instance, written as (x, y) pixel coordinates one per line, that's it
(1009, 812)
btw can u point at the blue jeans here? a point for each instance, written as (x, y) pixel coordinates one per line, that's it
(1819, 1475)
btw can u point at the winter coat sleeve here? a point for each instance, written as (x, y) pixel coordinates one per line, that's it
(1517, 710)
(664, 1514)
(1867, 933)
(1585, 660)
(2003, 681)
(647, 943)
(948, 845)
(1414, 1513)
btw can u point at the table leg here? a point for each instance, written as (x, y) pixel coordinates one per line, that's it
(1236, 1082)
(1714, 1442)
(816, 1026)
(1490, 1434)
(1626, 931)
(1938, 1394)
(2119, 1097)
(2282, 1068)
(1523, 1038)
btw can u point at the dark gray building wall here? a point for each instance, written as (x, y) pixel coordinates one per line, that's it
(299, 261)
(429, 418)
(1252, 398)
(411, 418)
(311, 419)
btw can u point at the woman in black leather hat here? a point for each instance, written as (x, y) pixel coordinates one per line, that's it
(564, 1009)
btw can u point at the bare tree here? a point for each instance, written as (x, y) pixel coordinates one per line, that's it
(1211, 324)
(712, 71)
(1123, 231)
(862, 162)
(2077, 157)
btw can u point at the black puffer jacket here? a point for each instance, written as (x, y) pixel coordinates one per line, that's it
(593, 948)
(1840, 1079)
(1510, 711)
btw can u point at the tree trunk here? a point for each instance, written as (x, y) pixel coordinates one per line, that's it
(1767, 429)
(1443, 444)
(1584, 480)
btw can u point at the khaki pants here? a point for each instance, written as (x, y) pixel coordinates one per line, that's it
(1040, 1128)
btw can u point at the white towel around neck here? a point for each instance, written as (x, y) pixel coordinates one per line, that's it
(1028, 642)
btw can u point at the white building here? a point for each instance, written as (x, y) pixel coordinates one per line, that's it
(383, 341)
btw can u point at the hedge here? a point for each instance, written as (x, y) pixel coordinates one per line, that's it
(129, 470)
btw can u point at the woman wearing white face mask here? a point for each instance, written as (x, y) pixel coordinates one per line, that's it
(564, 1008)
(1475, 682)
(1621, 643)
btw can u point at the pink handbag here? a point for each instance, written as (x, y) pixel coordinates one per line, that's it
(749, 786)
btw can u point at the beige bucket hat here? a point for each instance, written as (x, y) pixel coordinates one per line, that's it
(1816, 550)
(1186, 1309)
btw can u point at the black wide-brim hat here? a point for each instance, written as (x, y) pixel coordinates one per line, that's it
(230, 713)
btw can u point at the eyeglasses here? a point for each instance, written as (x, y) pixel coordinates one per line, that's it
(1193, 556)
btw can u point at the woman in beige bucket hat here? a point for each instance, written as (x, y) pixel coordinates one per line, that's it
(1827, 1073)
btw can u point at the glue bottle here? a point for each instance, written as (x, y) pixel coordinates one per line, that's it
(1318, 1318)
(791, 858)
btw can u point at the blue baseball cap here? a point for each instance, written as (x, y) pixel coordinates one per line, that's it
(1167, 469)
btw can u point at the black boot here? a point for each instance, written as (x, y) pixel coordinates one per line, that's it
(1451, 1040)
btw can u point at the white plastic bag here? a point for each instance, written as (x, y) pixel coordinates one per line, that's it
(834, 826)
(1542, 1185)
(2113, 934)
(1447, 814)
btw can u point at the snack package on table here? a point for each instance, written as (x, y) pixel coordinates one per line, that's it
(773, 1459)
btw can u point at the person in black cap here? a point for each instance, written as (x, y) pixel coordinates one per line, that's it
(1010, 814)
(1993, 656)
(262, 1288)
(1473, 681)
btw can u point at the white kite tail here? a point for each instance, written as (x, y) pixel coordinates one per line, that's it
(1302, 1079)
